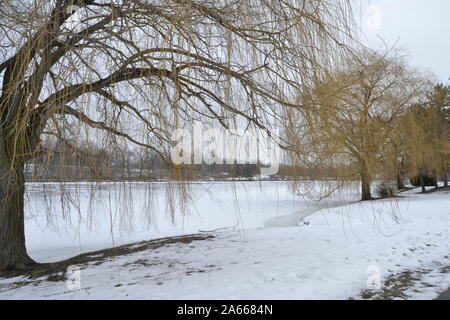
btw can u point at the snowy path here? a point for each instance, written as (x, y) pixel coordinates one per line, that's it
(332, 257)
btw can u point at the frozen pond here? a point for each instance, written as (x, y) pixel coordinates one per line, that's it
(110, 214)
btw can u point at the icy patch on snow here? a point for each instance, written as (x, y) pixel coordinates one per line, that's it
(294, 220)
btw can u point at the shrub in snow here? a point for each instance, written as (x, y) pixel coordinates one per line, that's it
(386, 190)
(429, 181)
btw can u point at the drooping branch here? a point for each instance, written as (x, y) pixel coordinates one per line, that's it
(181, 50)
(67, 110)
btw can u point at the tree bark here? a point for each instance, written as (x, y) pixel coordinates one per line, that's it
(445, 178)
(13, 253)
(436, 177)
(365, 183)
(400, 182)
(422, 181)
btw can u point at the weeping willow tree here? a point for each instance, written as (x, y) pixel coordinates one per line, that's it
(349, 132)
(426, 138)
(132, 71)
(439, 102)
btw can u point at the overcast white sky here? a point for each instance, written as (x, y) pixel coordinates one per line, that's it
(422, 27)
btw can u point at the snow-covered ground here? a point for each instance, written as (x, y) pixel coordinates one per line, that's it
(111, 214)
(273, 251)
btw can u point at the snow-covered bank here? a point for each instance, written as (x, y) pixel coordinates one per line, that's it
(332, 256)
(111, 214)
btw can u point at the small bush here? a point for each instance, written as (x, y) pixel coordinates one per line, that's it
(386, 190)
(429, 181)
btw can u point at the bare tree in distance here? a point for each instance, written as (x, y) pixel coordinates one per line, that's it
(352, 125)
(113, 72)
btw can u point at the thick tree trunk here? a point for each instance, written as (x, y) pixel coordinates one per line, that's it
(422, 182)
(400, 182)
(445, 178)
(365, 183)
(436, 177)
(13, 253)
